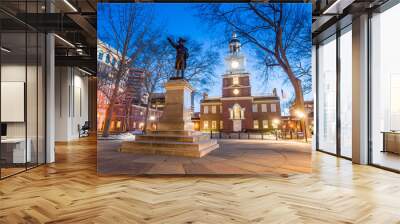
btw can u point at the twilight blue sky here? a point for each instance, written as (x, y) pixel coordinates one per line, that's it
(180, 19)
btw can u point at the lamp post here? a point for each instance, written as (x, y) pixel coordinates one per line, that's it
(275, 124)
(302, 116)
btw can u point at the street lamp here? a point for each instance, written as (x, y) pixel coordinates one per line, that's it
(302, 116)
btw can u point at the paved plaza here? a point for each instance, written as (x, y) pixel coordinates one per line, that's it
(233, 157)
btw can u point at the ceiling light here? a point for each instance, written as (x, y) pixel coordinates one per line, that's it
(337, 7)
(84, 71)
(70, 5)
(64, 40)
(5, 50)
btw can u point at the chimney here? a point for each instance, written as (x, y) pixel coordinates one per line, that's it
(205, 96)
(274, 92)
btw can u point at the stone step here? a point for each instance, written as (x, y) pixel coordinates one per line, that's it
(176, 133)
(170, 138)
(189, 149)
(185, 145)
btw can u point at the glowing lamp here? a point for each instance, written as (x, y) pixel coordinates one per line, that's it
(235, 64)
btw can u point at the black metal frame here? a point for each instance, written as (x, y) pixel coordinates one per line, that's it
(338, 152)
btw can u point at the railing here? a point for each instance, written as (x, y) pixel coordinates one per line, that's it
(258, 135)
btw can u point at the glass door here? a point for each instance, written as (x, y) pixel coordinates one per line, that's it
(346, 92)
(327, 95)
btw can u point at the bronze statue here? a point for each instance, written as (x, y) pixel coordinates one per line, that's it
(181, 56)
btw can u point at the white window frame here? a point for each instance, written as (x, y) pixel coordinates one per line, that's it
(256, 124)
(213, 125)
(273, 107)
(255, 107)
(235, 80)
(265, 124)
(264, 107)
(205, 125)
(213, 109)
(205, 109)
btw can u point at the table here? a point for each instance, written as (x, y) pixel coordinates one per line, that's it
(391, 141)
(16, 147)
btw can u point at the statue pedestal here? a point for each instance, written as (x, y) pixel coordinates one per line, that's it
(174, 135)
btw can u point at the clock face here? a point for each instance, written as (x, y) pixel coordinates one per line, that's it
(234, 64)
(236, 91)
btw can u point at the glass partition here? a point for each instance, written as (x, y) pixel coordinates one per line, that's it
(327, 95)
(346, 93)
(13, 94)
(385, 89)
(22, 101)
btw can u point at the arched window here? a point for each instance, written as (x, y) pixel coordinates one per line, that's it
(236, 112)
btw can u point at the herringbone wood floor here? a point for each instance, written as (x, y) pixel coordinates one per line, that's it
(69, 191)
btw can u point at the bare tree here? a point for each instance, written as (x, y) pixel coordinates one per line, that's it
(128, 29)
(158, 69)
(158, 62)
(280, 34)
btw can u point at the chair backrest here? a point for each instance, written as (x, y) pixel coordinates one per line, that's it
(86, 125)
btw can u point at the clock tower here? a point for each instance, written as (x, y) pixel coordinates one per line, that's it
(237, 110)
(236, 81)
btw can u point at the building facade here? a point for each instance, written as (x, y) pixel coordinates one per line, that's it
(237, 110)
(130, 107)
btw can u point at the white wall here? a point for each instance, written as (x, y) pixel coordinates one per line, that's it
(71, 102)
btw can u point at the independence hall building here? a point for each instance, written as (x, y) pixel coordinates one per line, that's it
(237, 110)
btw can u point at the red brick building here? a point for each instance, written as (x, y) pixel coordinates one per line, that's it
(237, 109)
(130, 107)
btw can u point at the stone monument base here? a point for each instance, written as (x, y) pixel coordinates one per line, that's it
(174, 135)
(174, 143)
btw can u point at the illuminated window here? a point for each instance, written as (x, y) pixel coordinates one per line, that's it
(118, 124)
(273, 107)
(205, 109)
(213, 109)
(236, 112)
(263, 107)
(213, 125)
(221, 125)
(235, 80)
(255, 124)
(265, 124)
(220, 109)
(205, 124)
(255, 108)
